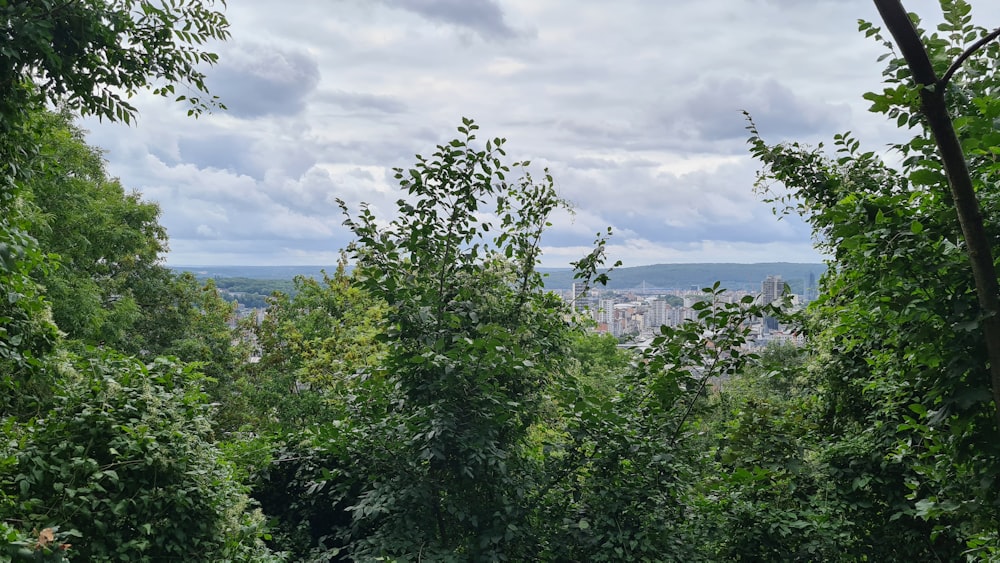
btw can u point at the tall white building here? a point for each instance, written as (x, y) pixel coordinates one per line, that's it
(605, 312)
(771, 290)
(580, 297)
(657, 314)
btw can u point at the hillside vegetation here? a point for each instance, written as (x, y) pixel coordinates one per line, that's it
(436, 401)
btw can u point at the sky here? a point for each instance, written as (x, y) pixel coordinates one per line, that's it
(634, 106)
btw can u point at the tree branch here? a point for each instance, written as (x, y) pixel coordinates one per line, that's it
(965, 55)
(970, 218)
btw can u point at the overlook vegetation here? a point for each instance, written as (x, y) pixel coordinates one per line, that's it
(436, 403)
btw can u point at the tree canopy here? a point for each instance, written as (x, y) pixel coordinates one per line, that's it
(93, 55)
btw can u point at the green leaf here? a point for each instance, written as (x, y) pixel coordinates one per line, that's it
(925, 177)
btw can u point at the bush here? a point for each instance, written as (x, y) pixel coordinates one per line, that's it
(125, 458)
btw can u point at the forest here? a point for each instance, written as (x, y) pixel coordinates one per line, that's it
(433, 402)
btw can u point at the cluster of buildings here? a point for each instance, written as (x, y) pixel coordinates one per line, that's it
(637, 314)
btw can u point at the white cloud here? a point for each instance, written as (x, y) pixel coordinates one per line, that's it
(633, 105)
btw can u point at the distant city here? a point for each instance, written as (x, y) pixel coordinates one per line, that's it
(635, 315)
(630, 308)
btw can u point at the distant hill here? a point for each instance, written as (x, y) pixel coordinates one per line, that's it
(255, 272)
(666, 276)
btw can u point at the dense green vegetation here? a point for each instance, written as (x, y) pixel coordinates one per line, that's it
(436, 403)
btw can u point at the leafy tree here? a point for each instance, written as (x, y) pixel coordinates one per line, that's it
(331, 325)
(762, 490)
(909, 406)
(938, 122)
(106, 239)
(472, 343)
(617, 484)
(126, 460)
(488, 428)
(107, 285)
(314, 347)
(94, 55)
(89, 56)
(600, 363)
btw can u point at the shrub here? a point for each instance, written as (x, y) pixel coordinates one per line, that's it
(126, 459)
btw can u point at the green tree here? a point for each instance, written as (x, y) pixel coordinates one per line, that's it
(107, 285)
(314, 346)
(93, 55)
(472, 343)
(89, 56)
(617, 481)
(125, 459)
(429, 455)
(903, 370)
(937, 120)
(105, 239)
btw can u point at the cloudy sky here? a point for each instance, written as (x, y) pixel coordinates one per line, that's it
(633, 105)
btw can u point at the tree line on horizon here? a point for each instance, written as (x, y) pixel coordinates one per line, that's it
(436, 401)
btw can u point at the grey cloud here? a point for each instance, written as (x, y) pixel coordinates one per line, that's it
(588, 163)
(362, 175)
(598, 163)
(226, 152)
(595, 133)
(713, 110)
(311, 194)
(699, 205)
(255, 80)
(759, 229)
(482, 16)
(634, 106)
(244, 154)
(355, 101)
(253, 251)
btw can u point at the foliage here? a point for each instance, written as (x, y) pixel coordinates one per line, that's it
(313, 345)
(307, 491)
(116, 452)
(597, 363)
(472, 342)
(253, 293)
(27, 332)
(45, 545)
(761, 492)
(93, 55)
(125, 459)
(106, 239)
(618, 483)
(906, 387)
(330, 327)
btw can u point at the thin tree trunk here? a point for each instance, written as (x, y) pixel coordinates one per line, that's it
(970, 217)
